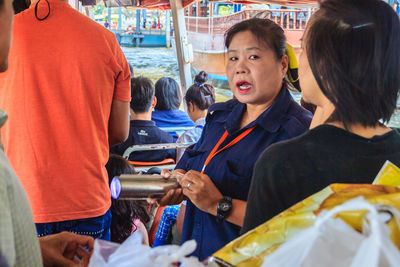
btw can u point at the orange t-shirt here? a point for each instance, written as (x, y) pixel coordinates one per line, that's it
(63, 74)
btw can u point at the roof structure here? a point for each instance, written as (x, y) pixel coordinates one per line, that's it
(164, 4)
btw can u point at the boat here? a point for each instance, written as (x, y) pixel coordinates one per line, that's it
(143, 38)
(206, 35)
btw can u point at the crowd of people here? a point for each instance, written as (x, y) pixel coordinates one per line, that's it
(73, 110)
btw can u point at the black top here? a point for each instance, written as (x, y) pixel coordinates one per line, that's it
(143, 132)
(290, 171)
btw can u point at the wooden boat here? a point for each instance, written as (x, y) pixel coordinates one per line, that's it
(206, 34)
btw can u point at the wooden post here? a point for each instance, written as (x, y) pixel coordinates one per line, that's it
(168, 28)
(181, 43)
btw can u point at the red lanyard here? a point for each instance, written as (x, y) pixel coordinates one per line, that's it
(214, 151)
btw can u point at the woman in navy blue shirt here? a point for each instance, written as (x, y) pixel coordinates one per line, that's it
(216, 172)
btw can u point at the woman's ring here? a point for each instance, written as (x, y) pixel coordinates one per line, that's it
(188, 185)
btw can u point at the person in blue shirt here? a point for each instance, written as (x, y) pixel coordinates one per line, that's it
(199, 97)
(215, 174)
(142, 129)
(166, 112)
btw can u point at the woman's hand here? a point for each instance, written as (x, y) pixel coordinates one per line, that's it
(201, 191)
(174, 196)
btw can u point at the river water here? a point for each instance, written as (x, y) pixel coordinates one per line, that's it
(155, 63)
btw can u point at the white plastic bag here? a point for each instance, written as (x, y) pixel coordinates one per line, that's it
(133, 253)
(331, 242)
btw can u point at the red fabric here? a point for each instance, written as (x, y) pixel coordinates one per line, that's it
(162, 4)
(154, 226)
(292, 3)
(158, 163)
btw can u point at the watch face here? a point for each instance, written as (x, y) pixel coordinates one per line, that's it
(225, 206)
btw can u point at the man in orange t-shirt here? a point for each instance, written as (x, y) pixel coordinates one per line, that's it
(67, 94)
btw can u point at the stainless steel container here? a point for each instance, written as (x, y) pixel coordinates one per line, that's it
(136, 187)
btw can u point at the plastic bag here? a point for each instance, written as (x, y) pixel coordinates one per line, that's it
(132, 253)
(388, 175)
(251, 248)
(331, 242)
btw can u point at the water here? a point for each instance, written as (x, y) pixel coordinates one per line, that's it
(155, 63)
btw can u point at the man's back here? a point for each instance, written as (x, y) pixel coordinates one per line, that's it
(65, 72)
(146, 132)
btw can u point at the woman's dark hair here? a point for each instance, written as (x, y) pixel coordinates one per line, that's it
(123, 212)
(266, 31)
(353, 48)
(142, 92)
(19, 5)
(200, 93)
(169, 96)
(272, 36)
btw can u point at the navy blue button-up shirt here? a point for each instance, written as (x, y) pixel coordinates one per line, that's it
(231, 170)
(143, 132)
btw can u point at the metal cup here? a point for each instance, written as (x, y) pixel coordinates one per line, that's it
(139, 187)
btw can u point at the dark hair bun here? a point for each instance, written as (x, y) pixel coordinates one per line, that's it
(202, 77)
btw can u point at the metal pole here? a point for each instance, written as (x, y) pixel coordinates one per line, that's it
(80, 6)
(168, 28)
(109, 16)
(119, 18)
(181, 43)
(137, 30)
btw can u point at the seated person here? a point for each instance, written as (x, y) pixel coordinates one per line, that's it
(128, 216)
(167, 113)
(164, 231)
(199, 97)
(350, 69)
(130, 29)
(142, 129)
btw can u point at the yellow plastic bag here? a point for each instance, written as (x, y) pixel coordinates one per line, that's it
(251, 248)
(388, 175)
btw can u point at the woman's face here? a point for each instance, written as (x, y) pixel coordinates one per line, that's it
(254, 73)
(6, 19)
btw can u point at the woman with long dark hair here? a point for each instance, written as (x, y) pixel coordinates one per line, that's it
(350, 69)
(128, 216)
